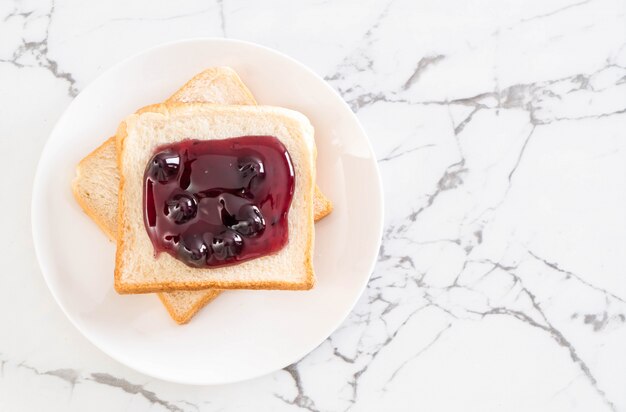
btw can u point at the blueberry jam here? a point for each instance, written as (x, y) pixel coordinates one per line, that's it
(218, 202)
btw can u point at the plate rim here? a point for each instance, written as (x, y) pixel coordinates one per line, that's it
(37, 193)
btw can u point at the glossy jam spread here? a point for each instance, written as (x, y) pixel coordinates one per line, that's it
(218, 202)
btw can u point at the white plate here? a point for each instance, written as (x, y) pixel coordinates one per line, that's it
(242, 334)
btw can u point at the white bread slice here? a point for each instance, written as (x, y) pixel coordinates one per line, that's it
(138, 270)
(97, 179)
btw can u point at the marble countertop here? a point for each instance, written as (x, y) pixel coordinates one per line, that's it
(500, 129)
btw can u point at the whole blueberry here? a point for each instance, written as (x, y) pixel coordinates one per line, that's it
(250, 221)
(193, 251)
(163, 166)
(182, 208)
(226, 245)
(250, 167)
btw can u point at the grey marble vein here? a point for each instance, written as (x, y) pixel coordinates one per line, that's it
(597, 322)
(591, 116)
(139, 19)
(568, 274)
(396, 152)
(165, 18)
(301, 400)
(422, 65)
(362, 62)
(71, 376)
(190, 404)
(459, 127)
(40, 51)
(16, 13)
(133, 389)
(451, 179)
(430, 344)
(554, 12)
(519, 157)
(220, 5)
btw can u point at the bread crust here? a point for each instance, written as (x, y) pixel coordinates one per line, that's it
(308, 185)
(182, 318)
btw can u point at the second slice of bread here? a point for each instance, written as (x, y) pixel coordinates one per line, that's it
(138, 270)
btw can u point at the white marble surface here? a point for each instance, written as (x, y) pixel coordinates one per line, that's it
(500, 128)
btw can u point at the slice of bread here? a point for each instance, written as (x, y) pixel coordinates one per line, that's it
(138, 270)
(97, 179)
